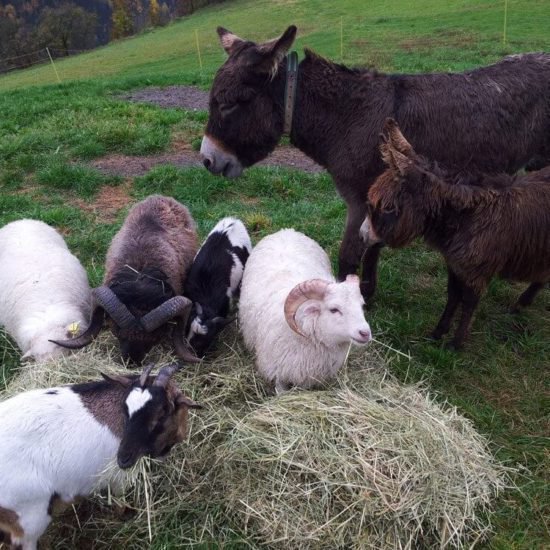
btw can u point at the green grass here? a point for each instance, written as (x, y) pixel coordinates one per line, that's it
(49, 132)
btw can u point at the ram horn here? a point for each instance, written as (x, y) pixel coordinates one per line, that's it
(313, 289)
(88, 335)
(110, 302)
(145, 374)
(178, 306)
(165, 374)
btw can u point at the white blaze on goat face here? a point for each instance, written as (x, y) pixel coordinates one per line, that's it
(137, 399)
(367, 232)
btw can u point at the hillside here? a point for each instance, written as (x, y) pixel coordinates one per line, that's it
(57, 137)
(403, 36)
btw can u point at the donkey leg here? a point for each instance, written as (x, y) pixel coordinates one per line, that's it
(352, 245)
(370, 269)
(526, 299)
(454, 296)
(470, 299)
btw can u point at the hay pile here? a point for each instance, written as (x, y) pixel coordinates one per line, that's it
(366, 463)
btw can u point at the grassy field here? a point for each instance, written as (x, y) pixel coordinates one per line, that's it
(49, 132)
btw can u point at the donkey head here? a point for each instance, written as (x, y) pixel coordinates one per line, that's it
(246, 103)
(399, 201)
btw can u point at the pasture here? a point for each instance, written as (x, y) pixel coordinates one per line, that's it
(50, 132)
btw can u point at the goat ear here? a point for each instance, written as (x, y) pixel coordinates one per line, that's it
(182, 401)
(275, 50)
(311, 309)
(118, 379)
(228, 40)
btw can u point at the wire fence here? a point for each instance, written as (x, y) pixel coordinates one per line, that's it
(352, 37)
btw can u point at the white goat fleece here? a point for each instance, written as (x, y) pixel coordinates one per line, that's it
(276, 265)
(43, 288)
(51, 445)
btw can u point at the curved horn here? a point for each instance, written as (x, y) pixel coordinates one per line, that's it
(313, 289)
(88, 335)
(178, 306)
(145, 374)
(116, 310)
(165, 374)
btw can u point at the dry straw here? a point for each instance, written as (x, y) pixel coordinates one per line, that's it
(365, 463)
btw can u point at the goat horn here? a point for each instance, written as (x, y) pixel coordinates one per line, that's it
(111, 303)
(145, 374)
(178, 306)
(88, 335)
(165, 374)
(313, 289)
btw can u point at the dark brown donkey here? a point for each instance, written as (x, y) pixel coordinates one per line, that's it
(492, 119)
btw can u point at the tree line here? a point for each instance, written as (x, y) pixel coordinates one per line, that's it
(28, 27)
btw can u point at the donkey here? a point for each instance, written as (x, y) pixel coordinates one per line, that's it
(493, 119)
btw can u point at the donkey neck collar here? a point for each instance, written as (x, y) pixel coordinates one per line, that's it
(290, 90)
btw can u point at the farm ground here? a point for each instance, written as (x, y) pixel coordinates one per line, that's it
(54, 139)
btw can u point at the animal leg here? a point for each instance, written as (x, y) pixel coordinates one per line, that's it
(470, 299)
(368, 276)
(526, 299)
(352, 245)
(454, 296)
(34, 522)
(281, 387)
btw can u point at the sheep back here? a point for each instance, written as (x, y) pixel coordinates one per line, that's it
(43, 288)
(159, 233)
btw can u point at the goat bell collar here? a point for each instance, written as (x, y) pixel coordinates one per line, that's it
(290, 90)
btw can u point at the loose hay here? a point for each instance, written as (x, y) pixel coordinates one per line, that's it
(366, 463)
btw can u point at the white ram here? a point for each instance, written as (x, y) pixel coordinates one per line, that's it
(44, 290)
(294, 316)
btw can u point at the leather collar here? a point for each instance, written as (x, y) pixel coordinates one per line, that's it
(290, 90)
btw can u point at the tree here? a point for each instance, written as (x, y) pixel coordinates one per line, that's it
(122, 19)
(68, 27)
(154, 13)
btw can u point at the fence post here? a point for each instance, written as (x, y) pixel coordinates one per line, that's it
(505, 21)
(341, 39)
(198, 48)
(53, 65)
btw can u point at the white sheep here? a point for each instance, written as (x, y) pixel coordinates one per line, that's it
(66, 442)
(293, 314)
(44, 290)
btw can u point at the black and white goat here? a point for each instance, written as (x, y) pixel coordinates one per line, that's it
(65, 442)
(145, 271)
(214, 281)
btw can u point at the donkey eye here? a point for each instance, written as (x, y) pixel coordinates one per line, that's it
(227, 108)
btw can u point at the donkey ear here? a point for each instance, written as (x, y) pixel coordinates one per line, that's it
(274, 51)
(396, 139)
(228, 40)
(397, 161)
